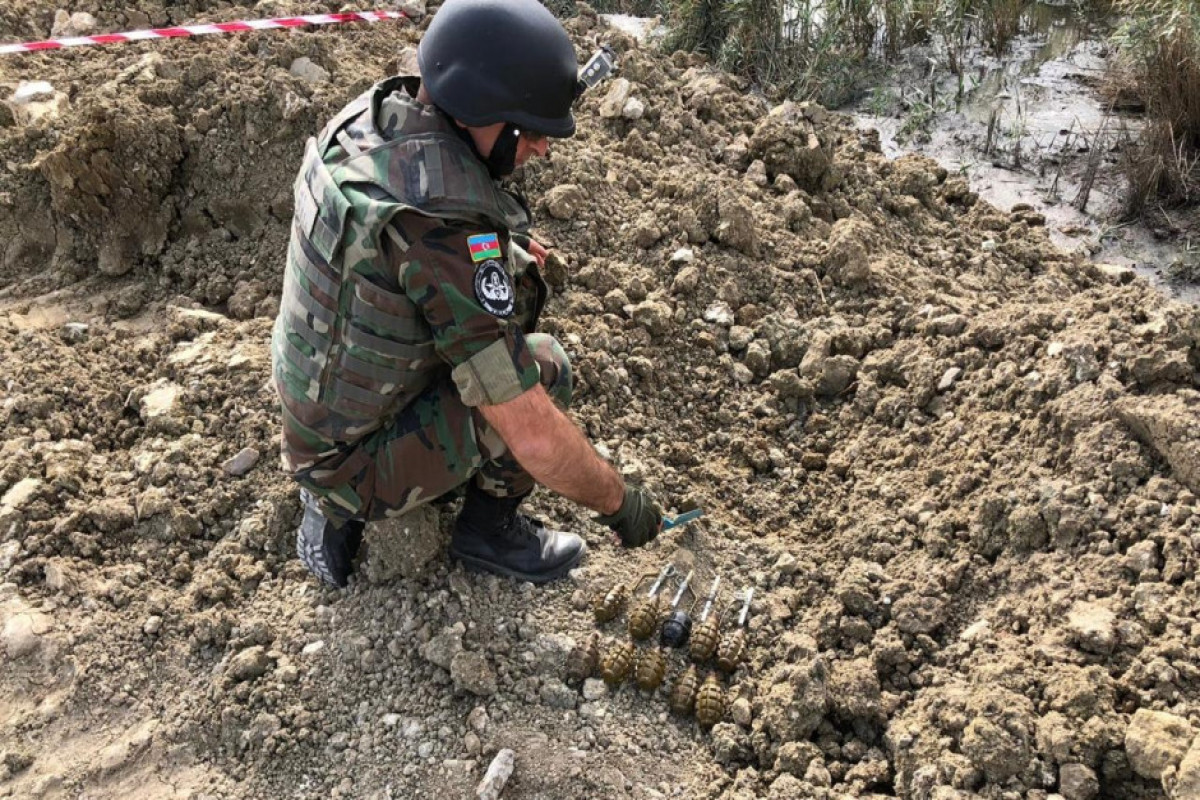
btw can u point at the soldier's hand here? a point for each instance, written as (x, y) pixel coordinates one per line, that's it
(539, 252)
(638, 520)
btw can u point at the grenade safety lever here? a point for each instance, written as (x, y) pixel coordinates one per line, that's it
(644, 618)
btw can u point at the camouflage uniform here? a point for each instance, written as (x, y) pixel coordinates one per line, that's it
(392, 330)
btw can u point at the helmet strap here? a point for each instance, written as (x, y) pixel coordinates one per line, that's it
(503, 159)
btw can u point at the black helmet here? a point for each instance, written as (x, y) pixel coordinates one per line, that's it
(488, 61)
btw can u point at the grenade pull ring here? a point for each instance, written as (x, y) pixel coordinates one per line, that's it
(704, 640)
(745, 607)
(644, 618)
(678, 627)
(732, 650)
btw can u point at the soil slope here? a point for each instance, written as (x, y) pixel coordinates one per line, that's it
(958, 466)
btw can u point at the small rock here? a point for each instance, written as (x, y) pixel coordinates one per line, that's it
(251, 663)
(594, 689)
(949, 378)
(654, 316)
(730, 744)
(1093, 628)
(472, 744)
(1077, 782)
(684, 255)
(1155, 741)
(498, 773)
(565, 201)
(112, 515)
(309, 71)
(794, 757)
(719, 314)
(312, 648)
(152, 626)
(22, 634)
(740, 712)
(756, 173)
(35, 100)
(614, 102)
(685, 281)
(80, 23)
(425, 750)
(739, 337)
(442, 648)
(159, 401)
(241, 463)
(556, 694)
(633, 109)
(478, 719)
(471, 672)
(1142, 557)
(19, 494)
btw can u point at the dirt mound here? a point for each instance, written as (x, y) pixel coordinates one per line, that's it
(957, 465)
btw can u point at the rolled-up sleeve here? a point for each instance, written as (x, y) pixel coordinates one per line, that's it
(479, 338)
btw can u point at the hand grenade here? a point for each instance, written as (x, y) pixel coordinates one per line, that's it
(683, 693)
(651, 667)
(583, 658)
(710, 702)
(617, 663)
(706, 635)
(607, 605)
(678, 627)
(645, 616)
(732, 650)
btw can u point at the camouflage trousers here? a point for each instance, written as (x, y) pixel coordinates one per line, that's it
(433, 446)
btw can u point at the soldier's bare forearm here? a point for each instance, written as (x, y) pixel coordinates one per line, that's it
(555, 451)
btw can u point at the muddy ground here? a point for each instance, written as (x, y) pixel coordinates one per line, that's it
(958, 465)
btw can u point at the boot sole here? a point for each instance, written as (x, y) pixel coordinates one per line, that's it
(479, 565)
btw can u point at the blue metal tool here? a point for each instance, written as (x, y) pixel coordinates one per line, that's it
(682, 519)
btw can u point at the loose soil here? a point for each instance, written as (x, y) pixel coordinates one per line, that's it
(958, 466)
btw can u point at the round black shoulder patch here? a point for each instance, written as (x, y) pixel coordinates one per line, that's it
(494, 289)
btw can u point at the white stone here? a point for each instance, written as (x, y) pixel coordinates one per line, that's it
(614, 102)
(949, 378)
(684, 255)
(19, 494)
(720, 314)
(498, 773)
(312, 648)
(594, 689)
(160, 400)
(241, 463)
(309, 71)
(633, 109)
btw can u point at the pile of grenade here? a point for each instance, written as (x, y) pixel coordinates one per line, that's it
(679, 630)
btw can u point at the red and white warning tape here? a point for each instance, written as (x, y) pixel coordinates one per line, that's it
(202, 30)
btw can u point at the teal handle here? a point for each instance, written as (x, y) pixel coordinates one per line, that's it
(682, 519)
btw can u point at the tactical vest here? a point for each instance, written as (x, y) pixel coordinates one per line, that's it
(349, 348)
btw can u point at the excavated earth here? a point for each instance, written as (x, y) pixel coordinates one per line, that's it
(959, 467)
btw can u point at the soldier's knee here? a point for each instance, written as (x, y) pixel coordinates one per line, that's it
(555, 366)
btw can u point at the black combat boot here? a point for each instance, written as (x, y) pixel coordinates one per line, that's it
(490, 535)
(326, 549)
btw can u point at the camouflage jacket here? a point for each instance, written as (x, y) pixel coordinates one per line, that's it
(402, 271)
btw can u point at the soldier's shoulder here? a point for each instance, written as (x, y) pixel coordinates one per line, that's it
(439, 234)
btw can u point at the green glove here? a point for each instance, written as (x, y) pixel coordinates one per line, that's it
(638, 520)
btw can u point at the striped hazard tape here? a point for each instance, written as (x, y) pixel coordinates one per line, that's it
(202, 30)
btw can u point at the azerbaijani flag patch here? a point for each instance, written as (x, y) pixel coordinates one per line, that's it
(484, 246)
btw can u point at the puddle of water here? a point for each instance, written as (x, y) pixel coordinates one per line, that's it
(1045, 122)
